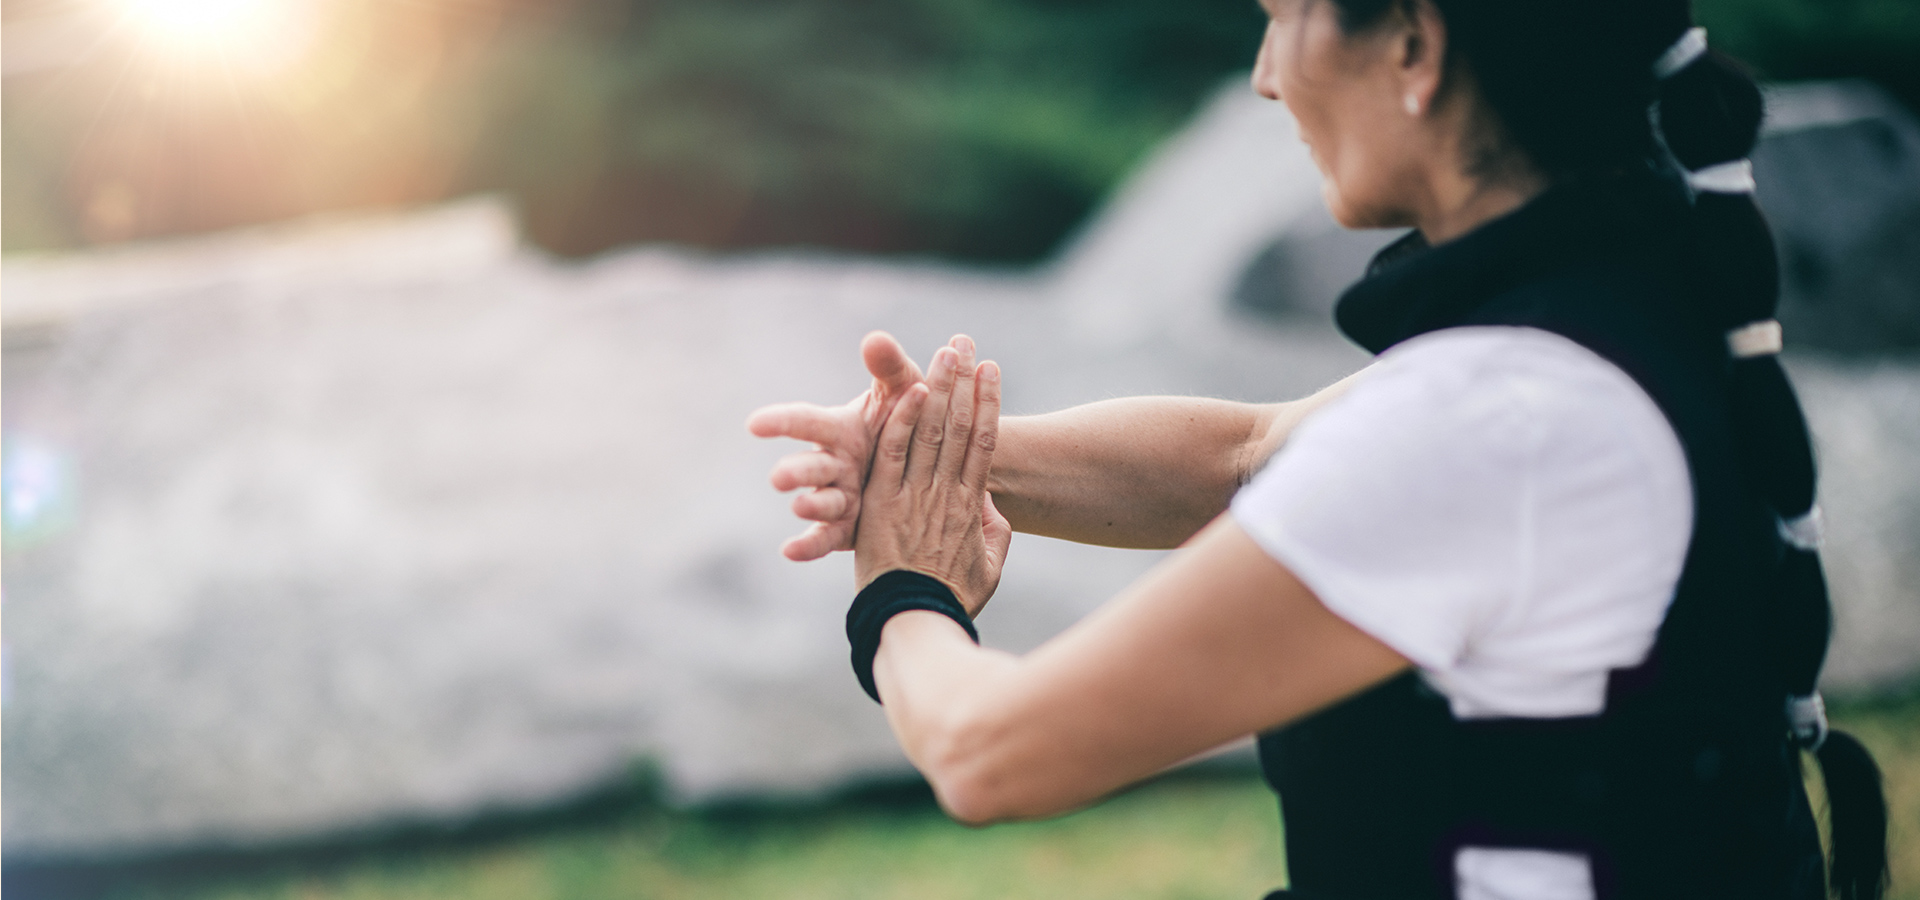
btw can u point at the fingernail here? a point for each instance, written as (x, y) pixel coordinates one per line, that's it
(963, 344)
(946, 358)
(989, 372)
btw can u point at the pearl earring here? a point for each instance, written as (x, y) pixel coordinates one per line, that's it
(1413, 105)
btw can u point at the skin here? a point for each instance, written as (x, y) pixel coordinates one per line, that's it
(929, 478)
(1220, 640)
(1364, 100)
(834, 472)
(1137, 472)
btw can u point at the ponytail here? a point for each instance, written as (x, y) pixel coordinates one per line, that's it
(1858, 818)
(1709, 116)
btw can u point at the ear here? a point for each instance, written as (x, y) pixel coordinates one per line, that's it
(1422, 54)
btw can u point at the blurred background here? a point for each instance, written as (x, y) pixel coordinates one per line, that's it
(378, 520)
(975, 130)
(971, 129)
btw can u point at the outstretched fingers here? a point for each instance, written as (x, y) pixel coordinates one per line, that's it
(817, 541)
(823, 505)
(961, 413)
(930, 431)
(985, 432)
(801, 421)
(814, 469)
(892, 453)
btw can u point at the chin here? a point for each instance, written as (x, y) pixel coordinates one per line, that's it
(1343, 212)
(1357, 216)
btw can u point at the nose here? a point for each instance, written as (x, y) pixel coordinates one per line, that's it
(1266, 80)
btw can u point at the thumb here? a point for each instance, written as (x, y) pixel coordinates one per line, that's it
(893, 371)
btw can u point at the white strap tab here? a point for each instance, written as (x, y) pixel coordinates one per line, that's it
(1762, 338)
(1689, 47)
(1807, 720)
(1724, 178)
(1806, 532)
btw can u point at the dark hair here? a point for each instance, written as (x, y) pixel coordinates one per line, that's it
(1570, 84)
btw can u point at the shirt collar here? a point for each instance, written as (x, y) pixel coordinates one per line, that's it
(1412, 288)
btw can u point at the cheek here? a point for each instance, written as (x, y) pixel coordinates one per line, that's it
(1335, 108)
(1299, 66)
(1312, 115)
(1358, 181)
(1320, 124)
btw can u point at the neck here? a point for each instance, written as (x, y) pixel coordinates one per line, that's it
(1459, 202)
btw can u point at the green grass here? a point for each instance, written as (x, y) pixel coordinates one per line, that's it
(1182, 838)
(1891, 729)
(1216, 836)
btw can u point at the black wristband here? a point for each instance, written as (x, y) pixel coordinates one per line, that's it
(890, 595)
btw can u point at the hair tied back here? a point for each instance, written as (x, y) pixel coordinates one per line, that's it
(1709, 114)
(1723, 178)
(1691, 46)
(1762, 338)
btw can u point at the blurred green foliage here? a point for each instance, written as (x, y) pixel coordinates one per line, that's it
(981, 129)
(1797, 39)
(976, 129)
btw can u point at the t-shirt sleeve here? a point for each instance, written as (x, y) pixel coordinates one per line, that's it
(1403, 504)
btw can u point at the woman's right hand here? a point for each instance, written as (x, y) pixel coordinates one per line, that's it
(926, 507)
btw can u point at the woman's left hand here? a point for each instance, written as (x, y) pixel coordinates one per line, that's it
(925, 506)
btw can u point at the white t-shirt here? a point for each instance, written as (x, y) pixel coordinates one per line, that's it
(1506, 509)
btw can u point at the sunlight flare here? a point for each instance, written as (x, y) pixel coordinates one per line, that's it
(254, 33)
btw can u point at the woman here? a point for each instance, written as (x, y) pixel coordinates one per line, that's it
(1529, 608)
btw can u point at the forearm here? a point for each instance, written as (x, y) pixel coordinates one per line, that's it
(967, 717)
(932, 679)
(1137, 472)
(1133, 472)
(1218, 641)
(976, 722)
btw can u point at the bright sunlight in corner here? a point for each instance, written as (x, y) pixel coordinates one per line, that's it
(255, 33)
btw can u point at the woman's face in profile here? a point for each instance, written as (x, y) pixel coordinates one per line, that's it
(1345, 92)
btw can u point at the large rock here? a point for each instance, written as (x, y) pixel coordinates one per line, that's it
(1839, 177)
(316, 528)
(1865, 415)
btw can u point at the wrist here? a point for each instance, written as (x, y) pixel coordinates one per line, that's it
(1003, 473)
(869, 566)
(887, 595)
(864, 577)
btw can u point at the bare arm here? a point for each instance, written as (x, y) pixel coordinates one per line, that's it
(1218, 642)
(1139, 471)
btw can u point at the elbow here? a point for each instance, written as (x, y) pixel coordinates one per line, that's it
(960, 763)
(966, 802)
(1251, 454)
(974, 801)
